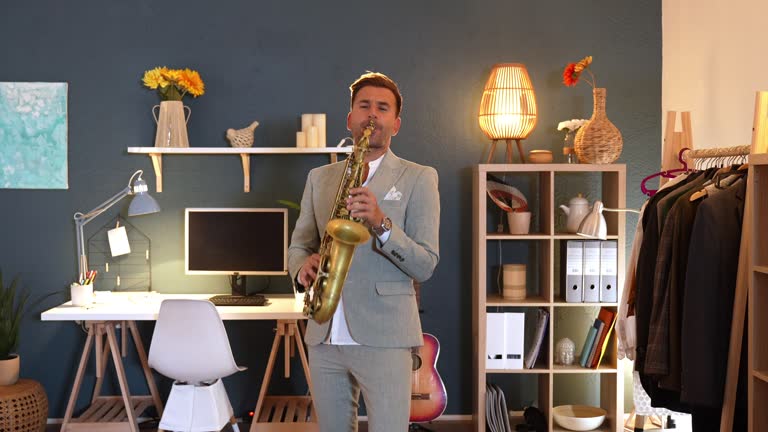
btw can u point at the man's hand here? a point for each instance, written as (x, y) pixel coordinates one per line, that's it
(362, 204)
(308, 271)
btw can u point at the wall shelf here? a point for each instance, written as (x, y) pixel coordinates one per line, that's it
(156, 154)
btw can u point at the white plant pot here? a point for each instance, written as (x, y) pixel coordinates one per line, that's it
(9, 370)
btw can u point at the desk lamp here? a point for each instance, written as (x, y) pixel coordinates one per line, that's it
(508, 107)
(594, 226)
(141, 204)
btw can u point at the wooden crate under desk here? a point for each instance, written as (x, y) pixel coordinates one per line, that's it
(286, 414)
(107, 414)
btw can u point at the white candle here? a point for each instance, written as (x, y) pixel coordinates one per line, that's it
(312, 137)
(318, 121)
(306, 122)
(301, 140)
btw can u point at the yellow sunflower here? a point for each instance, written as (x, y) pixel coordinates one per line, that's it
(191, 82)
(155, 78)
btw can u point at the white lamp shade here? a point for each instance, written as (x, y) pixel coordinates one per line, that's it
(593, 225)
(508, 107)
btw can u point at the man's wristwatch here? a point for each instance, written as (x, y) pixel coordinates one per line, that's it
(386, 225)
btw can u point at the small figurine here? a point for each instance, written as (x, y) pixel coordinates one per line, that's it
(564, 351)
(242, 137)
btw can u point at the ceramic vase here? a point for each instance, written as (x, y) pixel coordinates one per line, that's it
(171, 124)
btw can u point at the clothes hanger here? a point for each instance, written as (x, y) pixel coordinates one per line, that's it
(667, 174)
(703, 193)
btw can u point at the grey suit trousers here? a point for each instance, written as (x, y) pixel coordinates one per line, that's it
(340, 372)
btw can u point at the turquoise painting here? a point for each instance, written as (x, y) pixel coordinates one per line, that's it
(33, 135)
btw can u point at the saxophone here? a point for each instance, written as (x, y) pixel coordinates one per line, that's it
(342, 235)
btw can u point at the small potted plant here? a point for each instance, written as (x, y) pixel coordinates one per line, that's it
(12, 309)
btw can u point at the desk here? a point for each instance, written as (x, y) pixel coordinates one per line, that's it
(119, 413)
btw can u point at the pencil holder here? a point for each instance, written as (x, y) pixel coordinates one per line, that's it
(82, 295)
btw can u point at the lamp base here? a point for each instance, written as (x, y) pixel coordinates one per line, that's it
(509, 151)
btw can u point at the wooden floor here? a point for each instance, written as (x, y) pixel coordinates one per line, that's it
(435, 427)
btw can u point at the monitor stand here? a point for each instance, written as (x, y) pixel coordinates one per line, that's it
(237, 283)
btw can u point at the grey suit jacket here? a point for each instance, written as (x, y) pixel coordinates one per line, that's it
(379, 298)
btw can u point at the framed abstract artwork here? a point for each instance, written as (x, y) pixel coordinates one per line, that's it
(33, 135)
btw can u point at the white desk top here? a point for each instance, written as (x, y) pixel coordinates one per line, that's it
(144, 306)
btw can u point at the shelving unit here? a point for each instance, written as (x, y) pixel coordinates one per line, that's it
(544, 180)
(758, 297)
(156, 154)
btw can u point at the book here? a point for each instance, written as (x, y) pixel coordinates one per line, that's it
(538, 338)
(608, 317)
(588, 342)
(592, 352)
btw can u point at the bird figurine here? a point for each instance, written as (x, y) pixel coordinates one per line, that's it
(242, 137)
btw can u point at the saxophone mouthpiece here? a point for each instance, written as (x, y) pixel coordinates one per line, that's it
(369, 129)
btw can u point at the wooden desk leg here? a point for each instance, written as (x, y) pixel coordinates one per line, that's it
(78, 378)
(121, 378)
(267, 376)
(304, 362)
(145, 366)
(102, 356)
(288, 332)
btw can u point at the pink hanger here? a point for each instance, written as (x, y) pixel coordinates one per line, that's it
(668, 174)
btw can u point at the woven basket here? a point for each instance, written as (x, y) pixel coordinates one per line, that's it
(598, 141)
(23, 407)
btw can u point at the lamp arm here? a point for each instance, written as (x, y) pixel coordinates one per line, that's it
(82, 219)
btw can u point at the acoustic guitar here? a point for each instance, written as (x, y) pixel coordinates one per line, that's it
(428, 395)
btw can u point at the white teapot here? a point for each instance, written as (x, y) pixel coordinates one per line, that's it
(577, 209)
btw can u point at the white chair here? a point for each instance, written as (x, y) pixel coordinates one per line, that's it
(190, 345)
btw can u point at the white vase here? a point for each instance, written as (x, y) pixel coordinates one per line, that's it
(9, 370)
(171, 124)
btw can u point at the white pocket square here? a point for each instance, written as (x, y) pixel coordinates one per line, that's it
(393, 195)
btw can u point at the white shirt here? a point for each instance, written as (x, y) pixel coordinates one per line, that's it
(339, 334)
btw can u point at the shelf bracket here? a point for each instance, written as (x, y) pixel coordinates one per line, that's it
(157, 163)
(246, 171)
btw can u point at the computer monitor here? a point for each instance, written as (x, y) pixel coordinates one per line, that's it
(236, 242)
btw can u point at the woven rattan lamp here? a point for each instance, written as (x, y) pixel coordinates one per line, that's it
(508, 107)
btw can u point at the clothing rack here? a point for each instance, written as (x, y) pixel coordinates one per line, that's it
(712, 153)
(678, 147)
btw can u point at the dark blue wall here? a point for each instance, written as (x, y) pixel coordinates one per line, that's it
(271, 61)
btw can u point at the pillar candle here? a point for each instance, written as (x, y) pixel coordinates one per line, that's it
(312, 137)
(301, 140)
(306, 122)
(318, 120)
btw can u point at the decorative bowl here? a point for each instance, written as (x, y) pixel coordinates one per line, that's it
(579, 417)
(540, 156)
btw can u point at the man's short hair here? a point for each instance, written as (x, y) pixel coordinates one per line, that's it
(376, 79)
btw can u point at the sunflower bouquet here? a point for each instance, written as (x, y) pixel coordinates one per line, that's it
(173, 84)
(573, 72)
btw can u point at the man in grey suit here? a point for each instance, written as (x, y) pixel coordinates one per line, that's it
(366, 346)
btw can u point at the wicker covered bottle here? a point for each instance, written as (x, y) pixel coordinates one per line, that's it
(598, 141)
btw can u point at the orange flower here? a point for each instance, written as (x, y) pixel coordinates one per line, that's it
(573, 72)
(190, 81)
(570, 76)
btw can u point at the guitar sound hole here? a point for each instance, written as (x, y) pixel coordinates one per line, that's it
(416, 362)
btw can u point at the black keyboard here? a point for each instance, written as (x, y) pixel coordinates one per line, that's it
(236, 300)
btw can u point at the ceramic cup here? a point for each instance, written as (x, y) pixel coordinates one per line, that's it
(519, 222)
(82, 295)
